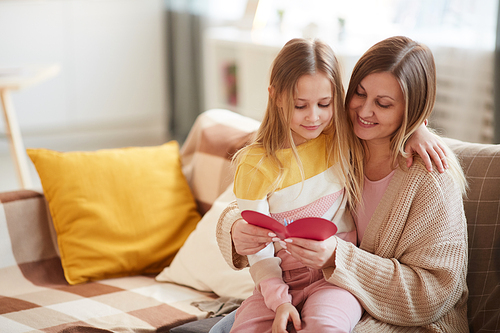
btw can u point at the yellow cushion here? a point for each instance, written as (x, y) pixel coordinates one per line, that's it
(116, 212)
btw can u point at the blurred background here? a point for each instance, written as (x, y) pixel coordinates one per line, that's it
(138, 72)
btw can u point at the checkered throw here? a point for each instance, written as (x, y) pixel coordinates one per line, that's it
(34, 295)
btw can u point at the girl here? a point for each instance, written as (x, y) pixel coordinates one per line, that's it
(295, 168)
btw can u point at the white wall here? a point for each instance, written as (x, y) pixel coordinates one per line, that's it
(111, 89)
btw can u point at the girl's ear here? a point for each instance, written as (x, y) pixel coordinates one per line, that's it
(272, 94)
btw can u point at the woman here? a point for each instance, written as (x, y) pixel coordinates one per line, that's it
(409, 271)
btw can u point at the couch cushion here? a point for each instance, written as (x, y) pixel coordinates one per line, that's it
(116, 212)
(199, 263)
(481, 164)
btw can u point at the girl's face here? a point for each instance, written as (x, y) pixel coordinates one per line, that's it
(313, 108)
(377, 107)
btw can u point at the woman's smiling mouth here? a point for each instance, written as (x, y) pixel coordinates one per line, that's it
(364, 122)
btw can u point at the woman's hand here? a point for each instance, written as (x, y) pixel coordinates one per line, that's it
(427, 145)
(284, 313)
(312, 253)
(249, 239)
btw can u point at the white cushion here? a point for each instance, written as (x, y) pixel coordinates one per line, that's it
(199, 263)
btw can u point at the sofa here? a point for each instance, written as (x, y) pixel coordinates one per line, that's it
(190, 290)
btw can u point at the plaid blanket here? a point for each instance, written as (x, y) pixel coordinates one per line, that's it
(35, 297)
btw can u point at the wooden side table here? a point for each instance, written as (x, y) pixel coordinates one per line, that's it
(16, 79)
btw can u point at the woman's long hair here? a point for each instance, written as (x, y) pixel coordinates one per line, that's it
(412, 64)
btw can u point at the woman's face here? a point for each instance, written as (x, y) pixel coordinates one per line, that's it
(313, 108)
(377, 107)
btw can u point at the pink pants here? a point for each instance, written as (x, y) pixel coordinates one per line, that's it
(323, 306)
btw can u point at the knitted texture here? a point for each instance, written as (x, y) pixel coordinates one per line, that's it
(223, 234)
(410, 271)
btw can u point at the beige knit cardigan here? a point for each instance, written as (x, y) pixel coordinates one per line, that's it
(409, 272)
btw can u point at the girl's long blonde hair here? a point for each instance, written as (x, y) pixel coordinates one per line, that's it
(412, 64)
(297, 58)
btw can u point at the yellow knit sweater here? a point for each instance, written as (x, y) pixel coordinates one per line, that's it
(409, 272)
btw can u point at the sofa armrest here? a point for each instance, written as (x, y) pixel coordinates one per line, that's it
(30, 234)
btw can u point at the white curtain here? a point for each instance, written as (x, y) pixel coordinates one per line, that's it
(185, 24)
(465, 100)
(461, 34)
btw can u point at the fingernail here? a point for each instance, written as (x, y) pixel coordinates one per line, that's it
(271, 234)
(283, 244)
(288, 240)
(288, 252)
(276, 239)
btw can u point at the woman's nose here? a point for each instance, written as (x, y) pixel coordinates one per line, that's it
(364, 109)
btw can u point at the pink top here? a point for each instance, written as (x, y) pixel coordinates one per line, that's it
(372, 194)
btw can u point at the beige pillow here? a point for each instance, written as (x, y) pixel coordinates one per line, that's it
(199, 263)
(116, 212)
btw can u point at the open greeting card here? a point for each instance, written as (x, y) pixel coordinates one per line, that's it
(315, 228)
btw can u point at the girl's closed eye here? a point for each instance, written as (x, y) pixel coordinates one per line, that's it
(359, 93)
(325, 102)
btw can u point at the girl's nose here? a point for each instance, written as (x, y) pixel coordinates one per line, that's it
(313, 114)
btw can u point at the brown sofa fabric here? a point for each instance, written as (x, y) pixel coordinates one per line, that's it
(481, 164)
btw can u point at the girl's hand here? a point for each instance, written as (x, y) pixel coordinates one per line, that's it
(249, 239)
(427, 145)
(312, 253)
(284, 313)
